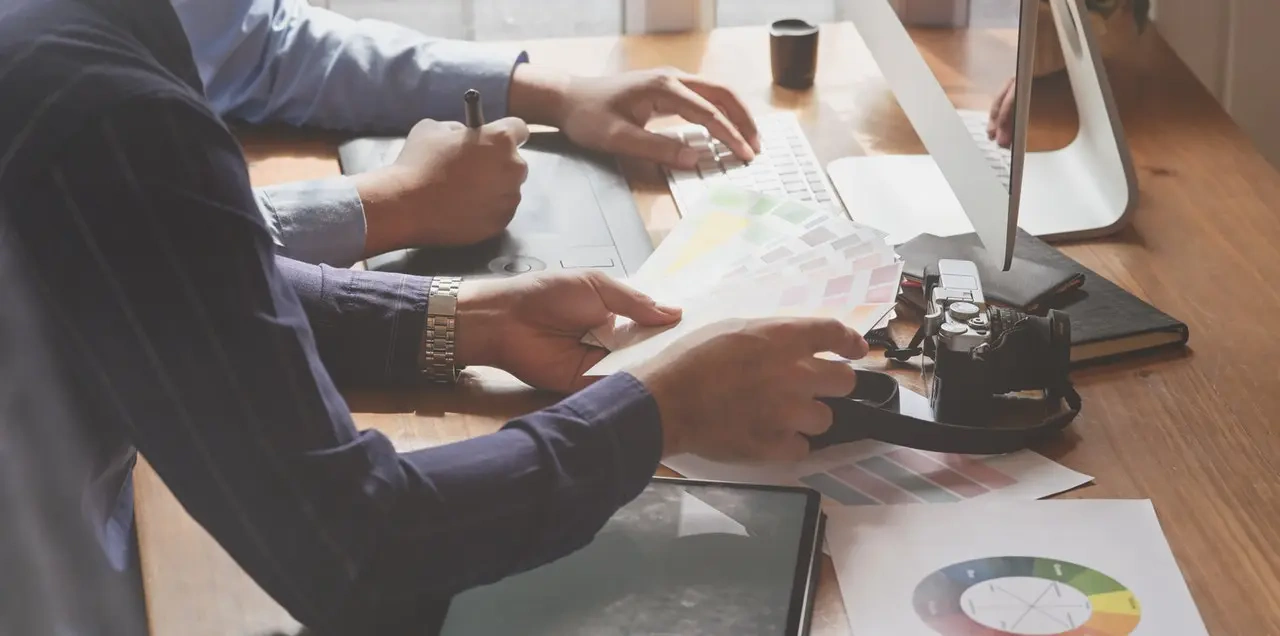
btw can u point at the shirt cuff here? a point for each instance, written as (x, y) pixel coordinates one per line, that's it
(460, 66)
(625, 412)
(319, 221)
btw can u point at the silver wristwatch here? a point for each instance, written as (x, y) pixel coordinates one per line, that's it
(437, 361)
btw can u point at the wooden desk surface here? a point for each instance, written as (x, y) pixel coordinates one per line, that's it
(1193, 431)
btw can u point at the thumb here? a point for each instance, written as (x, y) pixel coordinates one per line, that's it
(512, 129)
(829, 334)
(628, 302)
(630, 139)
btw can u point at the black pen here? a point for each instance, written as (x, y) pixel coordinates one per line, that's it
(471, 102)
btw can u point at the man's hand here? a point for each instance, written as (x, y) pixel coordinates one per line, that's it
(749, 389)
(610, 113)
(450, 185)
(532, 326)
(1000, 123)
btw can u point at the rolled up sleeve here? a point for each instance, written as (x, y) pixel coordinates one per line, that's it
(320, 221)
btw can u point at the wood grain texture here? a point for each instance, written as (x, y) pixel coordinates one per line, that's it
(1191, 430)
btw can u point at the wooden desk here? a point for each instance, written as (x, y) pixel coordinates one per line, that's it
(1194, 432)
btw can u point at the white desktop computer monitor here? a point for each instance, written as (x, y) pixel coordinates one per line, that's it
(1084, 189)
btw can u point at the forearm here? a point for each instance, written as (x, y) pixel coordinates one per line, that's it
(338, 221)
(367, 325)
(538, 94)
(195, 345)
(286, 61)
(496, 505)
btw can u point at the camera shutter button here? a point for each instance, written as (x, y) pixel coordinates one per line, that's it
(962, 312)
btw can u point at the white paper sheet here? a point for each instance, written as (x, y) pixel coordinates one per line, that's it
(1088, 567)
(871, 473)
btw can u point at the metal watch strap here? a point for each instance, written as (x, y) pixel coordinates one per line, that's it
(437, 361)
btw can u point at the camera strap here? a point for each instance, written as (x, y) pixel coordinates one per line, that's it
(872, 412)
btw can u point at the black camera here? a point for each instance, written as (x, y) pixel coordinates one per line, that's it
(981, 351)
(980, 354)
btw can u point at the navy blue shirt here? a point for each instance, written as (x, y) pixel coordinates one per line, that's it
(190, 340)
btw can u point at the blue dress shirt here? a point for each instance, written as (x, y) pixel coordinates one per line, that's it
(126, 206)
(286, 61)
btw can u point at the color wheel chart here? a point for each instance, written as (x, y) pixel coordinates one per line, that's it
(905, 475)
(1021, 595)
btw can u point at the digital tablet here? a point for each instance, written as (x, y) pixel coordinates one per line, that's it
(684, 557)
(576, 212)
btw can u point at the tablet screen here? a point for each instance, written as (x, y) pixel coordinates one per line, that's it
(685, 557)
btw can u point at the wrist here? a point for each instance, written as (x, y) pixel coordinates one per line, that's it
(383, 197)
(481, 313)
(665, 394)
(538, 95)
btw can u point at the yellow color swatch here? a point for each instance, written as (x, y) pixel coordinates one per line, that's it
(1118, 602)
(714, 229)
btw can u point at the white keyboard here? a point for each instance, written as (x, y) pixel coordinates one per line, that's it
(999, 158)
(786, 165)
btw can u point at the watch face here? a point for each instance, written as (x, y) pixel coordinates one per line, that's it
(442, 305)
(442, 298)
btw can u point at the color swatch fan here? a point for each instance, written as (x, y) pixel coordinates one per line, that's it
(742, 254)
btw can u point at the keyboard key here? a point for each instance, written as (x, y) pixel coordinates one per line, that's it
(786, 165)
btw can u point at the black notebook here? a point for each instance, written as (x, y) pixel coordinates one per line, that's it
(1029, 285)
(1106, 321)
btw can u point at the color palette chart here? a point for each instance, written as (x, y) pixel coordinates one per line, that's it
(904, 475)
(1010, 567)
(1024, 595)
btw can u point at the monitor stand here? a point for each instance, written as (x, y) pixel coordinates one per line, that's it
(1086, 189)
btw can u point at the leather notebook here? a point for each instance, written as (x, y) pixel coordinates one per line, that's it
(1028, 285)
(1106, 320)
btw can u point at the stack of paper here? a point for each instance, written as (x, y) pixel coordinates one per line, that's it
(741, 254)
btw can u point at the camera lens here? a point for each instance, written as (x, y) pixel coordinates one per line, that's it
(1028, 352)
